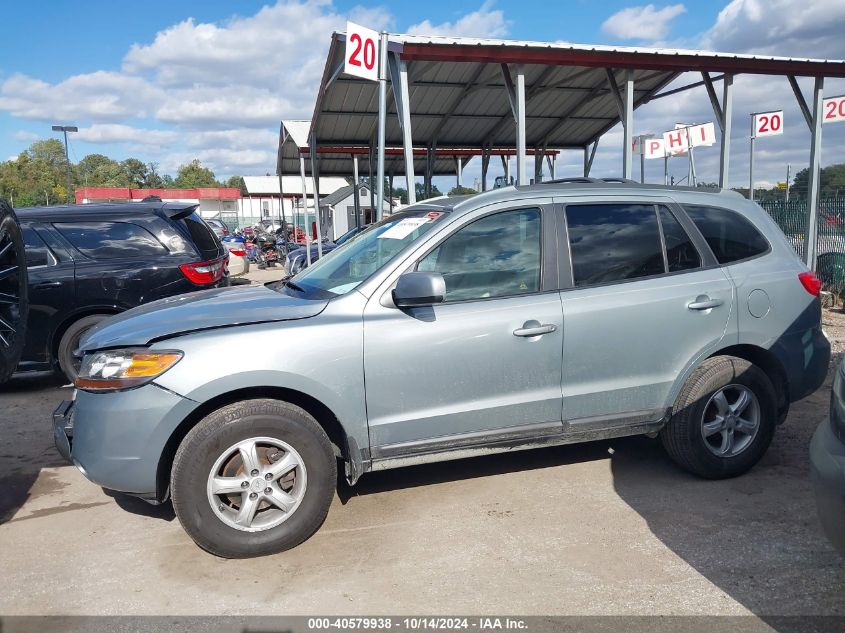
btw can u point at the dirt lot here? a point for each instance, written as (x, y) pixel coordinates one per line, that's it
(602, 528)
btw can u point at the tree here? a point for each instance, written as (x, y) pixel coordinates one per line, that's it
(831, 182)
(88, 165)
(421, 191)
(135, 172)
(153, 179)
(237, 182)
(461, 191)
(50, 151)
(195, 175)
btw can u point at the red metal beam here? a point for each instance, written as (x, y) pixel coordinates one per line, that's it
(619, 59)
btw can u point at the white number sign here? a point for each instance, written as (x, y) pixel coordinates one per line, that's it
(768, 123)
(833, 109)
(361, 52)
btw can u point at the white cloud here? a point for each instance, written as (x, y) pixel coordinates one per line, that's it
(642, 23)
(485, 22)
(108, 133)
(26, 136)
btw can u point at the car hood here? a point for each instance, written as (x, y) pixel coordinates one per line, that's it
(202, 310)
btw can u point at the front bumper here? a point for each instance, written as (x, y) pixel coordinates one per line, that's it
(827, 459)
(117, 439)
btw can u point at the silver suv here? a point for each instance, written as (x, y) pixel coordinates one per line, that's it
(522, 317)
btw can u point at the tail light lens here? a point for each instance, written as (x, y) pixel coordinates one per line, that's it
(225, 231)
(811, 283)
(203, 273)
(238, 253)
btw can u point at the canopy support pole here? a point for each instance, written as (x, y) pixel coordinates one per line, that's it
(485, 164)
(516, 98)
(458, 171)
(550, 161)
(589, 155)
(399, 82)
(628, 123)
(382, 121)
(355, 193)
(317, 210)
(723, 112)
(813, 188)
(305, 210)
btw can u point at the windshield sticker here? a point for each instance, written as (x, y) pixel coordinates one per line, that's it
(434, 215)
(403, 228)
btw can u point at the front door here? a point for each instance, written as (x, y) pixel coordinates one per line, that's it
(646, 301)
(488, 358)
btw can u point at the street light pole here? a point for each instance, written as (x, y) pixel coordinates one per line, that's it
(64, 129)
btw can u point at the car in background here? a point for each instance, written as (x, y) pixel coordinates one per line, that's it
(827, 460)
(13, 291)
(219, 227)
(238, 260)
(88, 262)
(297, 259)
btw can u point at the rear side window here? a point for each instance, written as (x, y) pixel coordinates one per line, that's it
(613, 242)
(111, 240)
(201, 235)
(681, 254)
(37, 252)
(730, 236)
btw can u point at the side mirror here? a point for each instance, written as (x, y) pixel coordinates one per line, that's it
(419, 289)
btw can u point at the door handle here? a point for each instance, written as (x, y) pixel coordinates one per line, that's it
(703, 302)
(535, 330)
(43, 285)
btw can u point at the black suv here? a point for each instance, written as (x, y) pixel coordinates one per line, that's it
(88, 262)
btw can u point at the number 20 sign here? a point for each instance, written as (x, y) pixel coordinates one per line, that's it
(361, 52)
(768, 123)
(833, 109)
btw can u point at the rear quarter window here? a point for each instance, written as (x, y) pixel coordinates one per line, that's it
(195, 229)
(111, 240)
(730, 236)
(37, 252)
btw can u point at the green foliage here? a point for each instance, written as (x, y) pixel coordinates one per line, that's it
(38, 176)
(435, 192)
(194, 175)
(237, 182)
(831, 182)
(461, 191)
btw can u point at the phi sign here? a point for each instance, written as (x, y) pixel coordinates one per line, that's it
(768, 123)
(361, 52)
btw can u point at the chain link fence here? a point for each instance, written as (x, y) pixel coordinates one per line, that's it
(791, 217)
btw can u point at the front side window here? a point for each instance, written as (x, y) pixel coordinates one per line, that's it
(730, 236)
(110, 240)
(496, 256)
(613, 242)
(343, 269)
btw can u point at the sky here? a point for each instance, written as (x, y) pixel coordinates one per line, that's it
(170, 81)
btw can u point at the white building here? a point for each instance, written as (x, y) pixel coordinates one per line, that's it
(339, 209)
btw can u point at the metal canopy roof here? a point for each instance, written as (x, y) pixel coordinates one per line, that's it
(336, 160)
(458, 95)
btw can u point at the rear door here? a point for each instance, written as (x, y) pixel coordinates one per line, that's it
(645, 300)
(52, 292)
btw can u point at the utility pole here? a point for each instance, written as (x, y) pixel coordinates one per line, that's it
(64, 129)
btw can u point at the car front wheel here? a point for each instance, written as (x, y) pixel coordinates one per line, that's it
(253, 478)
(723, 420)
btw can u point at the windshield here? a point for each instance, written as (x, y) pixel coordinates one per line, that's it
(347, 266)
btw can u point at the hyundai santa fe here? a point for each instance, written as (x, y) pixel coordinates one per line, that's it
(527, 316)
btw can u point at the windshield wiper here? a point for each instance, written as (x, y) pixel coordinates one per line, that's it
(290, 284)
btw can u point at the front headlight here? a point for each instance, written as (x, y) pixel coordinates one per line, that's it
(123, 368)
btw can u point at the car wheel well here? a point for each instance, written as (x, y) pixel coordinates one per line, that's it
(770, 365)
(324, 416)
(60, 331)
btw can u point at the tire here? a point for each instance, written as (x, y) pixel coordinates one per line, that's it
(68, 363)
(14, 304)
(691, 438)
(204, 450)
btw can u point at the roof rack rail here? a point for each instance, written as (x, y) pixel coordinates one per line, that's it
(582, 180)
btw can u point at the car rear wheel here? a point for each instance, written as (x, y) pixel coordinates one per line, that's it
(68, 362)
(723, 420)
(253, 478)
(13, 291)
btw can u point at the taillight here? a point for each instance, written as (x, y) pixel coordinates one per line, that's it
(225, 231)
(202, 273)
(811, 283)
(238, 253)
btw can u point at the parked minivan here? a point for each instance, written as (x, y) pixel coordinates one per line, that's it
(88, 262)
(526, 316)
